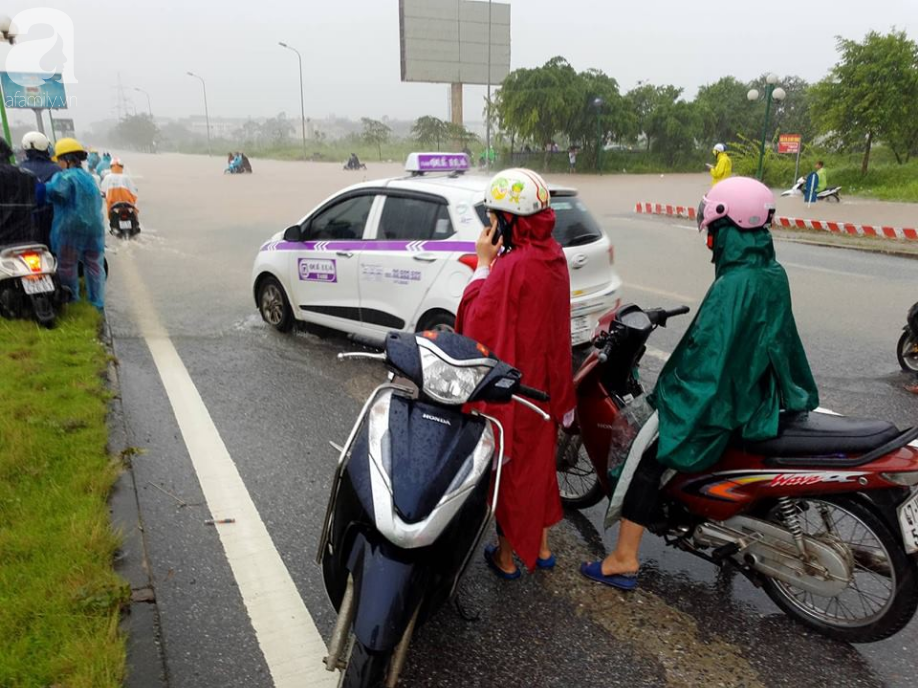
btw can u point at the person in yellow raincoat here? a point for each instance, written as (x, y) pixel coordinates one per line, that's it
(118, 187)
(723, 166)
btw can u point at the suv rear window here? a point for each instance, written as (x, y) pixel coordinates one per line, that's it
(574, 225)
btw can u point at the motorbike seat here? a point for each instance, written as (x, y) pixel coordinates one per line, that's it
(823, 436)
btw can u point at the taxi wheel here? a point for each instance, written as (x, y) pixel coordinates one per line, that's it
(273, 305)
(438, 321)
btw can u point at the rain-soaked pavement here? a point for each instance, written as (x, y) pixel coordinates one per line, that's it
(278, 401)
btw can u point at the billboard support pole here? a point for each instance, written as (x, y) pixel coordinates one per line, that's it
(51, 119)
(38, 122)
(6, 122)
(456, 104)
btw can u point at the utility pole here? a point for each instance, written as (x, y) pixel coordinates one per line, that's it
(302, 97)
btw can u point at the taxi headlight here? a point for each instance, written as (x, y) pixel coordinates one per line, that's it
(448, 383)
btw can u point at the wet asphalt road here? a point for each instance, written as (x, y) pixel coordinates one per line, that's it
(278, 401)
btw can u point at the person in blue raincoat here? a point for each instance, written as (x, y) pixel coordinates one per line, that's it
(78, 231)
(92, 160)
(105, 164)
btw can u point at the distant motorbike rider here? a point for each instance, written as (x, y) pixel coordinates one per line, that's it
(518, 305)
(723, 165)
(37, 149)
(739, 364)
(104, 165)
(92, 160)
(821, 182)
(17, 200)
(78, 232)
(118, 187)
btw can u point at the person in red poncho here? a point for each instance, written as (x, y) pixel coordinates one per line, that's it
(518, 304)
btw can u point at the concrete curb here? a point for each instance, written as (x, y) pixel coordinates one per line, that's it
(146, 666)
(876, 231)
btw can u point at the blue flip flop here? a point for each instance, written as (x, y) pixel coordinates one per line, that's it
(622, 581)
(547, 563)
(498, 571)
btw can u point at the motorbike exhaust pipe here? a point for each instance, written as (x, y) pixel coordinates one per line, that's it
(401, 651)
(338, 640)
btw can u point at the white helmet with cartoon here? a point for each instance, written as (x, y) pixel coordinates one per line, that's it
(517, 191)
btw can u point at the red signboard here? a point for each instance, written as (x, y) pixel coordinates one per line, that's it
(789, 143)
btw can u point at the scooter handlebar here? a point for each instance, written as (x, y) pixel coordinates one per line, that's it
(532, 393)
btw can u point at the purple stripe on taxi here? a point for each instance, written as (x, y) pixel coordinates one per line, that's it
(407, 246)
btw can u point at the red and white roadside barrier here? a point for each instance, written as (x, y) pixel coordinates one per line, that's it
(879, 231)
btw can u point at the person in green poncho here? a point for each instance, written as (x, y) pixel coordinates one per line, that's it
(739, 364)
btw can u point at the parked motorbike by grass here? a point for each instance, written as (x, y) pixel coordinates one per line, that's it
(907, 348)
(29, 285)
(824, 516)
(409, 501)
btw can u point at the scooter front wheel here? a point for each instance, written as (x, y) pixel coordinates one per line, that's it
(907, 352)
(577, 481)
(365, 668)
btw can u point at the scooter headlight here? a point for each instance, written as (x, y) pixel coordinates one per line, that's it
(450, 382)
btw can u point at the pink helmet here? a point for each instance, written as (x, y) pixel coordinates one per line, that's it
(744, 201)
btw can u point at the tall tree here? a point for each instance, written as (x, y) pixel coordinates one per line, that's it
(793, 114)
(726, 112)
(277, 129)
(430, 131)
(458, 134)
(603, 114)
(136, 131)
(375, 133)
(869, 92)
(644, 101)
(674, 125)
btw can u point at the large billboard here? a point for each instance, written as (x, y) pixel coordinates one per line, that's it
(446, 41)
(31, 91)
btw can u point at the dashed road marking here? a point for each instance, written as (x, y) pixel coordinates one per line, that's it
(289, 640)
(675, 296)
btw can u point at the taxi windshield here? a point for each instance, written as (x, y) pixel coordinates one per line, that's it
(574, 225)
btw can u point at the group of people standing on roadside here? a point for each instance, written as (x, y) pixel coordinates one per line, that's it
(52, 199)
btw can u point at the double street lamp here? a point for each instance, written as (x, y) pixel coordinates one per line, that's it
(149, 107)
(206, 113)
(772, 92)
(302, 98)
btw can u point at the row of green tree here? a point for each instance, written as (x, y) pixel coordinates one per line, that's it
(869, 96)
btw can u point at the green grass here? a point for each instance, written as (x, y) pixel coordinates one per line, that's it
(60, 600)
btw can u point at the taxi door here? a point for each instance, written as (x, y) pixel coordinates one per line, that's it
(324, 269)
(402, 259)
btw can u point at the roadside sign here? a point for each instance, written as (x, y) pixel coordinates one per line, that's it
(789, 143)
(33, 91)
(64, 128)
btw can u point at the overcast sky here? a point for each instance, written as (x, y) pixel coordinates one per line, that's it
(351, 49)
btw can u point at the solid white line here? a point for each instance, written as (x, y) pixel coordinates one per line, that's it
(658, 354)
(827, 271)
(289, 640)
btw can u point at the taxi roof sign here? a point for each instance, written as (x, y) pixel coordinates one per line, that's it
(419, 163)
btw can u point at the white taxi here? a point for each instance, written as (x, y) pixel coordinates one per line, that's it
(396, 254)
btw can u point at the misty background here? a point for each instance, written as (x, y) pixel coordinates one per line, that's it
(350, 50)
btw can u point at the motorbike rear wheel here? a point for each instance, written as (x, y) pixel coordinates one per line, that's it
(43, 308)
(577, 481)
(882, 594)
(907, 352)
(365, 668)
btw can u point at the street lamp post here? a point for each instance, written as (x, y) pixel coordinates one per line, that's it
(488, 117)
(302, 97)
(772, 92)
(597, 103)
(7, 35)
(149, 107)
(206, 113)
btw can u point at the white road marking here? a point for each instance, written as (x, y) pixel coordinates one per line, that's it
(827, 271)
(675, 296)
(289, 640)
(658, 354)
(690, 228)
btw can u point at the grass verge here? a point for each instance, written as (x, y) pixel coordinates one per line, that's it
(59, 596)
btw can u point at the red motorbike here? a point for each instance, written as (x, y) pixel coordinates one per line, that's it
(824, 517)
